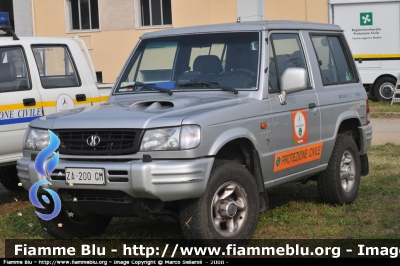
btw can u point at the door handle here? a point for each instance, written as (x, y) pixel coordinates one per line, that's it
(312, 105)
(80, 97)
(29, 102)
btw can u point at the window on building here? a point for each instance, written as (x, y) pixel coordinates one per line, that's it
(84, 14)
(155, 12)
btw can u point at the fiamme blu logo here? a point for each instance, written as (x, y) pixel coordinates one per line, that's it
(45, 163)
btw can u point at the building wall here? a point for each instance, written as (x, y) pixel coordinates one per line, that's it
(23, 11)
(120, 25)
(305, 10)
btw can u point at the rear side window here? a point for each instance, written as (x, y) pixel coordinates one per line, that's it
(56, 67)
(333, 63)
(13, 70)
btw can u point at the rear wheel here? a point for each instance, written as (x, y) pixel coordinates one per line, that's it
(384, 89)
(339, 183)
(227, 210)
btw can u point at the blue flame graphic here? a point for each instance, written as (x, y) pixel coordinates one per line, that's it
(45, 163)
(35, 201)
(43, 166)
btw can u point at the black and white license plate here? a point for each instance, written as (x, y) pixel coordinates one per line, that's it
(86, 176)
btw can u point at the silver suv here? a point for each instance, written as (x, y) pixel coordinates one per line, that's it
(202, 120)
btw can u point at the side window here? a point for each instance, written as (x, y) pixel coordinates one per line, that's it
(13, 71)
(55, 66)
(285, 52)
(155, 12)
(334, 67)
(84, 14)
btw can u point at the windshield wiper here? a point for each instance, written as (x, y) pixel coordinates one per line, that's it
(146, 85)
(209, 84)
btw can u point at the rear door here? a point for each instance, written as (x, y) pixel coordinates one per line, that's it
(338, 87)
(61, 82)
(296, 124)
(20, 102)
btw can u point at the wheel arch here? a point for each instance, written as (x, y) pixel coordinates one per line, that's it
(348, 121)
(243, 151)
(349, 126)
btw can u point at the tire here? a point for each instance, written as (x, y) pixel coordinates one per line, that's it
(74, 227)
(384, 89)
(340, 182)
(232, 185)
(9, 178)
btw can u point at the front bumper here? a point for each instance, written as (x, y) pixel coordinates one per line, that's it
(166, 180)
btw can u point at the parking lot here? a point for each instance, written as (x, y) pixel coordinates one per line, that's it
(385, 130)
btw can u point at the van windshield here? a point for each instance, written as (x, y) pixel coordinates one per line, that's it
(225, 59)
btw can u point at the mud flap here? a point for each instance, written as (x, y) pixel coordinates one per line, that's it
(364, 164)
(260, 184)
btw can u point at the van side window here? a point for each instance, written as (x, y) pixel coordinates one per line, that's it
(13, 71)
(285, 52)
(334, 67)
(56, 67)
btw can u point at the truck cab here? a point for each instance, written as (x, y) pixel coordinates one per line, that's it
(38, 76)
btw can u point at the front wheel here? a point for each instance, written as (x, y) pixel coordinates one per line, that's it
(9, 178)
(384, 89)
(67, 225)
(339, 183)
(227, 210)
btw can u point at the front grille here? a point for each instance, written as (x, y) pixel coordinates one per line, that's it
(109, 142)
(80, 195)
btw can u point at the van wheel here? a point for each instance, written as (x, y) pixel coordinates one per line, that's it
(228, 209)
(9, 178)
(339, 183)
(384, 89)
(68, 226)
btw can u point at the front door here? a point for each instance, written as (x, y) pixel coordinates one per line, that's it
(20, 101)
(296, 130)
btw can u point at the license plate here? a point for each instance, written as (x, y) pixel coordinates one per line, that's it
(85, 176)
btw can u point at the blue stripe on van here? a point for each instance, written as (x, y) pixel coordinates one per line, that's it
(17, 120)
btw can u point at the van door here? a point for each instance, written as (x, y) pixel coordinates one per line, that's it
(61, 85)
(20, 102)
(296, 130)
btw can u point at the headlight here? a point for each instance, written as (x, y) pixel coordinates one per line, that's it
(173, 138)
(36, 139)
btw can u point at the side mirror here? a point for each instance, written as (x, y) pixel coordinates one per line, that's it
(294, 79)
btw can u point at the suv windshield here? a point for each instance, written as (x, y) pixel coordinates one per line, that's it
(226, 59)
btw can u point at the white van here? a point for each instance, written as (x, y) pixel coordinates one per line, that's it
(38, 76)
(372, 29)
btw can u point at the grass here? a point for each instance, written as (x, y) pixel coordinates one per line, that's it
(296, 211)
(381, 109)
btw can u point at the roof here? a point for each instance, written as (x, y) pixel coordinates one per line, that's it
(6, 40)
(263, 25)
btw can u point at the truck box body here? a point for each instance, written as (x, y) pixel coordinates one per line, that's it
(372, 31)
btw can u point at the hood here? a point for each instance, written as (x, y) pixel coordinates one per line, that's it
(144, 113)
